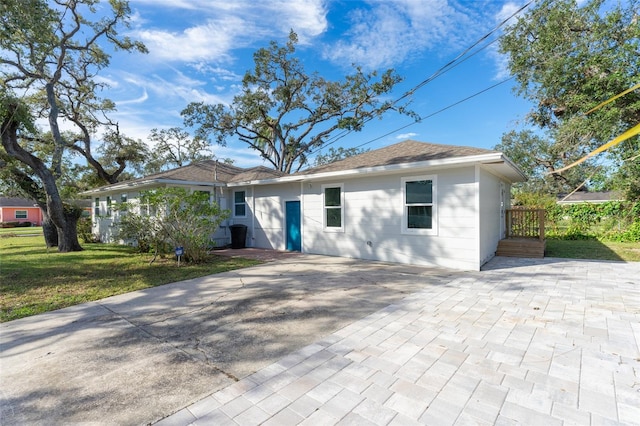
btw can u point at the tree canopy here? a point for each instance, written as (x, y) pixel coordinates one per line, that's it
(50, 56)
(286, 114)
(568, 58)
(174, 147)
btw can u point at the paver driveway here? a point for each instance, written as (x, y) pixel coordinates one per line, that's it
(529, 341)
(535, 342)
(138, 357)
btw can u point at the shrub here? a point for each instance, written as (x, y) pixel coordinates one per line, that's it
(185, 219)
(84, 230)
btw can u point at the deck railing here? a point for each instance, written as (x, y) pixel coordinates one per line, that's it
(525, 223)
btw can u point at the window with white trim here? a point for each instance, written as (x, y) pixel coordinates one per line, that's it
(418, 196)
(21, 214)
(123, 203)
(239, 204)
(108, 206)
(333, 207)
(96, 207)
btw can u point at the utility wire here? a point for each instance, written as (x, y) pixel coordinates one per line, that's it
(461, 58)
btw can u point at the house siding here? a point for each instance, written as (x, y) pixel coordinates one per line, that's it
(269, 213)
(373, 220)
(106, 226)
(34, 215)
(489, 222)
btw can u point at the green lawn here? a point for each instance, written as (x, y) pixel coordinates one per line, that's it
(10, 232)
(593, 249)
(34, 280)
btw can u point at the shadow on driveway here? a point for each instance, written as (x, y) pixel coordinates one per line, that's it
(138, 357)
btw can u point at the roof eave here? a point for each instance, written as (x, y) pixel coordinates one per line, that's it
(148, 183)
(490, 158)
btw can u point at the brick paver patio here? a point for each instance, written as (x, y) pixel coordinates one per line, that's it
(545, 341)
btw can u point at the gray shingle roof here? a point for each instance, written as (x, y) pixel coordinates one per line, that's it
(16, 202)
(256, 173)
(202, 171)
(404, 152)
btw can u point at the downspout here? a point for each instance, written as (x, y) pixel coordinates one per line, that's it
(478, 245)
(253, 216)
(301, 216)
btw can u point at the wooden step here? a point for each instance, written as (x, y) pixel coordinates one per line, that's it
(521, 247)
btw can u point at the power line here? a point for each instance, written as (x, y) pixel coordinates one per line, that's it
(459, 59)
(420, 119)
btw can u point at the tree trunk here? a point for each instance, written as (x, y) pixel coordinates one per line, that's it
(66, 226)
(68, 235)
(49, 230)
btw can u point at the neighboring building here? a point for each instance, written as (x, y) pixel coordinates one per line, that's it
(589, 197)
(412, 202)
(13, 209)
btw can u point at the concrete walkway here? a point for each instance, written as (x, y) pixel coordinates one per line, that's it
(548, 341)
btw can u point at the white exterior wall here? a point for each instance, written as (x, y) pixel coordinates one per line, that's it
(268, 228)
(103, 225)
(490, 224)
(373, 221)
(106, 226)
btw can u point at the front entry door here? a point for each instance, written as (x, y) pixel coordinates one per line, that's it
(292, 226)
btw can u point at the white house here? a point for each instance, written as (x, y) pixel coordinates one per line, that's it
(412, 202)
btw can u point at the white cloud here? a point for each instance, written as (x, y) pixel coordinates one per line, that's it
(502, 61)
(406, 135)
(387, 33)
(138, 100)
(506, 11)
(222, 26)
(212, 40)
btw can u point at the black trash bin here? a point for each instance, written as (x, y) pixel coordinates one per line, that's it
(238, 236)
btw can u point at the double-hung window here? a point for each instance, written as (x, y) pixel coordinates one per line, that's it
(21, 214)
(419, 199)
(333, 206)
(108, 206)
(96, 207)
(239, 204)
(123, 203)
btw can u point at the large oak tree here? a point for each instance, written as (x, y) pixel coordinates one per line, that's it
(286, 114)
(50, 54)
(567, 58)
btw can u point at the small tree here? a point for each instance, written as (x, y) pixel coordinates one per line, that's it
(183, 219)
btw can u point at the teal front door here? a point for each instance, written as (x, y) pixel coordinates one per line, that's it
(292, 226)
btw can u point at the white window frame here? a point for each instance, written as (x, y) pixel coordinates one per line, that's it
(341, 207)
(433, 204)
(237, 204)
(96, 207)
(26, 214)
(109, 206)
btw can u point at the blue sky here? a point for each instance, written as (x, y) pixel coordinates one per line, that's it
(200, 49)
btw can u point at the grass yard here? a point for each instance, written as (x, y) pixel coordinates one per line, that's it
(593, 249)
(10, 232)
(34, 280)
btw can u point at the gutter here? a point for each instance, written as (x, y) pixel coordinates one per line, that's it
(147, 183)
(474, 159)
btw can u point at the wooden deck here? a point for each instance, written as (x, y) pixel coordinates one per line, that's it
(521, 247)
(524, 234)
